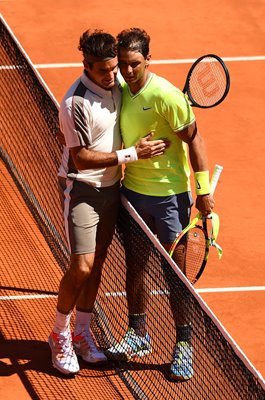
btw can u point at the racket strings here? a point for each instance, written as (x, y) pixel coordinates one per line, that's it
(195, 253)
(208, 82)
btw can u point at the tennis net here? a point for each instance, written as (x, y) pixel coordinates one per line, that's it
(30, 157)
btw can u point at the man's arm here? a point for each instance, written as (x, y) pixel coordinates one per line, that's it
(87, 159)
(199, 163)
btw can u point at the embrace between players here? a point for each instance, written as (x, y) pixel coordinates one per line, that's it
(146, 123)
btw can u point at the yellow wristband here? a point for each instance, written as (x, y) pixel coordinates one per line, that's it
(202, 182)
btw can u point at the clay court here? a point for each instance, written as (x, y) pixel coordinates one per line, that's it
(234, 287)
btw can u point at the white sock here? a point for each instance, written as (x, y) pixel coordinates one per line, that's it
(82, 322)
(62, 322)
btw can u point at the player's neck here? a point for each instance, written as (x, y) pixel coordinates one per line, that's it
(137, 86)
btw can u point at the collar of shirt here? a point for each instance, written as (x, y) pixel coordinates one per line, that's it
(93, 87)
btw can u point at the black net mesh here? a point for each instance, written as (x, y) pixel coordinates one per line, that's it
(34, 256)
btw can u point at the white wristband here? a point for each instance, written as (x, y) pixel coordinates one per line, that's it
(127, 155)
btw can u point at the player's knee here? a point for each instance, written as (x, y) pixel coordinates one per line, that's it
(81, 267)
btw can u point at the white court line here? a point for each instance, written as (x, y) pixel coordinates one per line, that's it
(183, 61)
(153, 292)
(28, 297)
(207, 290)
(232, 289)
(160, 62)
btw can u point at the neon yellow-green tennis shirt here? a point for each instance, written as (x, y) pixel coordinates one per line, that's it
(160, 107)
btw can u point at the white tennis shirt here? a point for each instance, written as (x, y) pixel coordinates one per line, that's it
(89, 116)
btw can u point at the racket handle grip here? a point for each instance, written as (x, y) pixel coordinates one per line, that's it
(216, 175)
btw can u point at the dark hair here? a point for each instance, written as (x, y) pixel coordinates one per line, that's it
(98, 44)
(134, 39)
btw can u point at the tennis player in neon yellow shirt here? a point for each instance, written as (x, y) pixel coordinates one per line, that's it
(161, 108)
(158, 188)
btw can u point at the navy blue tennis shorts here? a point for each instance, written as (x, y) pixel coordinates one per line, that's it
(166, 216)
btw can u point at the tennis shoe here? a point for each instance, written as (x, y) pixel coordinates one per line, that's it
(181, 366)
(86, 348)
(63, 356)
(130, 346)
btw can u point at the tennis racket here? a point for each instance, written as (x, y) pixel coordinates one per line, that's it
(198, 239)
(208, 82)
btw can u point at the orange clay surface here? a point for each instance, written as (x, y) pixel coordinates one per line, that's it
(49, 32)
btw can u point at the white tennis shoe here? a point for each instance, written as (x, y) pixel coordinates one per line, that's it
(63, 356)
(86, 348)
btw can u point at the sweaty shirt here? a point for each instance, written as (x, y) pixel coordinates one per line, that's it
(162, 108)
(89, 116)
